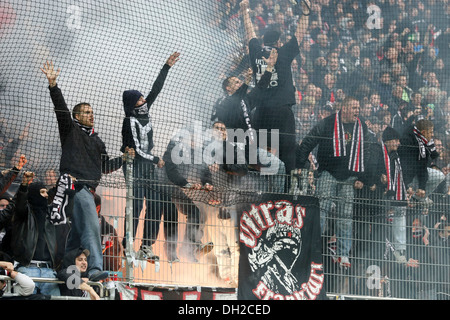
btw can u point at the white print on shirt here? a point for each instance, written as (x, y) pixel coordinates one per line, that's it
(141, 141)
(261, 68)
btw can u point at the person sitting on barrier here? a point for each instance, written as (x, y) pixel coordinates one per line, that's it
(33, 236)
(22, 286)
(75, 277)
(195, 183)
(84, 159)
(137, 133)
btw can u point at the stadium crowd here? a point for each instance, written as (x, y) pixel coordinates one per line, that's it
(376, 69)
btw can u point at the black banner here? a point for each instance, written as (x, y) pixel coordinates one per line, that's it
(281, 249)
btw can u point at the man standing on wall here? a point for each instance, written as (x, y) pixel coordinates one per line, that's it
(84, 158)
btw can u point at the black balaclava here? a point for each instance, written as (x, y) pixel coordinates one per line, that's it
(34, 195)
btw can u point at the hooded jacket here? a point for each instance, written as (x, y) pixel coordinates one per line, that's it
(32, 231)
(137, 127)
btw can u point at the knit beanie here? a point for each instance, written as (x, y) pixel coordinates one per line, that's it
(390, 134)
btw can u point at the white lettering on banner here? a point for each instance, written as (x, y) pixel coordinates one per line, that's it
(309, 290)
(259, 219)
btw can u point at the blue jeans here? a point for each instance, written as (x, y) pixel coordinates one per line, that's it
(44, 287)
(85, 229)
(398, 228)
(342, 194)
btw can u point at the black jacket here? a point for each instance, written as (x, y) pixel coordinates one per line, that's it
(321, 136)
(132, 124)
(83, 156)
(230, 109)
(413, 165)
(25, 231)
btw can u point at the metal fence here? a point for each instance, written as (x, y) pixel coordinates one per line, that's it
(377, 271)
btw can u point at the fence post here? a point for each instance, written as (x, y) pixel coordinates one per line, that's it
(129, 250)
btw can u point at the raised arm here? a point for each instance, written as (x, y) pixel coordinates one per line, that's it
(61, 109)
(302, 25)
(159, 82)
(248, 24)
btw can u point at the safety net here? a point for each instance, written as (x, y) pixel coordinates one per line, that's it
(222, 102)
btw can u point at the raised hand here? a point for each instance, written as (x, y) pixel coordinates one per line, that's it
(49, 70)
(173, 59)
(272, 59)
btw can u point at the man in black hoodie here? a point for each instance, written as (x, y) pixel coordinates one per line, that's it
(85, 159)
(33, 242)
(137, 133)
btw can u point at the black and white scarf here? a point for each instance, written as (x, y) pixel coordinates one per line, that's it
(395, 181)
(356, 157)
(88, 130)
(423, 142)
(65, 188)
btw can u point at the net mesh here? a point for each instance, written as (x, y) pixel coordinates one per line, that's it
(392, 56)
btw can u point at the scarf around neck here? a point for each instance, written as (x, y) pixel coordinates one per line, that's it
(88, 130)
(356, 157)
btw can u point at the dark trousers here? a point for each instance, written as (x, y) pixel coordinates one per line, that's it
(157, 203)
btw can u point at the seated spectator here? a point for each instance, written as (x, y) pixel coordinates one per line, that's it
(33, 242)
(22, 286)
(75, 277)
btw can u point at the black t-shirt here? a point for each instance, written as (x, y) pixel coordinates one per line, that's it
(281, 90)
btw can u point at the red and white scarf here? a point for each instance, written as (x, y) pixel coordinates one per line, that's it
(394, 182)
(356, 158)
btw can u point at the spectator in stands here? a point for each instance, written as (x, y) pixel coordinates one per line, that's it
(275, 110)
(75, 276)
(137, 134)
(84, 158)
(417, 149)
(33, 237)
(195, 182)
(235, 107)
(339, 171)
(23, 285)
(394, 190)
(111, 246)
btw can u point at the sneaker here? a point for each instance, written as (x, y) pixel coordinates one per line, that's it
(146, 253)
(344, 262)
(400, 257)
